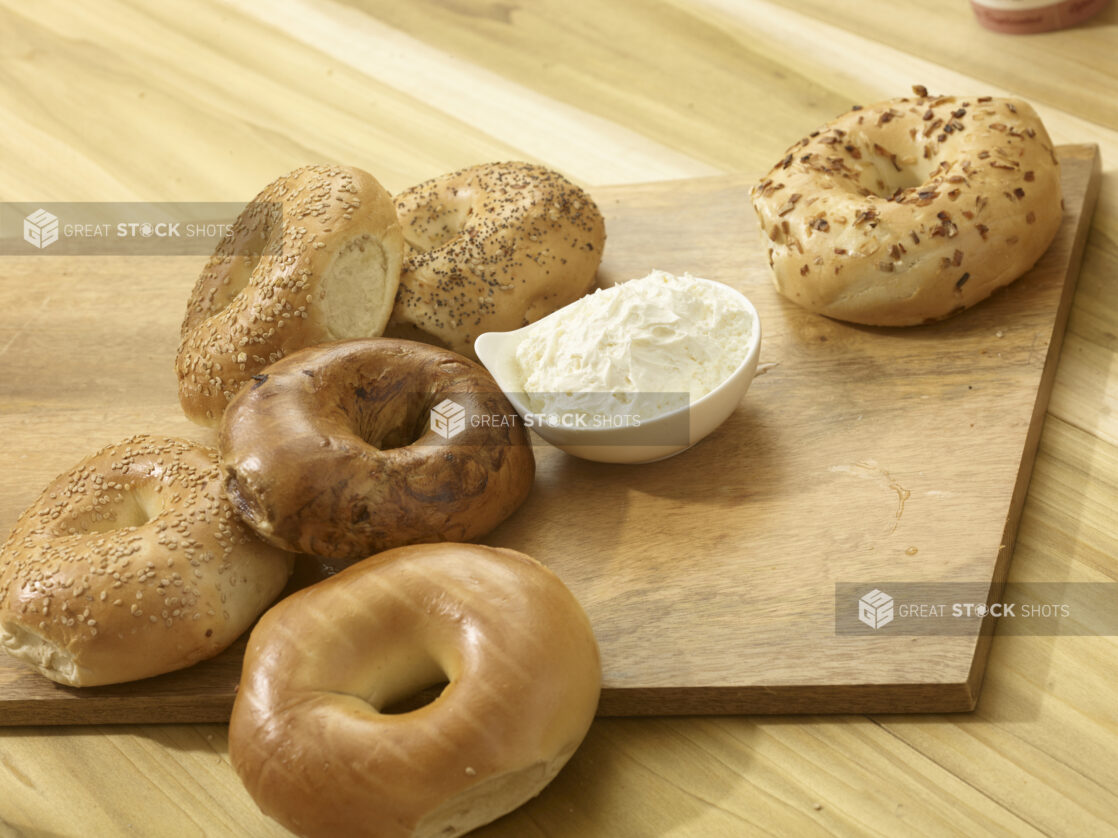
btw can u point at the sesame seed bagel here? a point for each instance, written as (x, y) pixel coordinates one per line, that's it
(337, 450)
(310, 736)
(911, 210)
(492, 248)
(314, 257)
(132, 564)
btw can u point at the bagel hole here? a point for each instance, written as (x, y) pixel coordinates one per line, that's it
(431, 230)
(887, 180)
(134, 508)
(236, 281)
(407, 681)
(881, 177)
(243, 249)
(416, 700)
(387, 420)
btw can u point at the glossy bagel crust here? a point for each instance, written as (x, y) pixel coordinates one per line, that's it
(131, 564)
(316, 256)
(492, 248)
(331, 450)
(911, 210)
(307, 735)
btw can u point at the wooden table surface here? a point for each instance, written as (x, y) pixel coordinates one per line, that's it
(126, 100)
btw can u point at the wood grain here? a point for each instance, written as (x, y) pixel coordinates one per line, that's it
(706, 591)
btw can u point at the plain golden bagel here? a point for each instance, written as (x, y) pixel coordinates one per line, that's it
(911, 210)
(333, 451)
(492, 248)
(314, 257)
(309, 735)
(133, 564)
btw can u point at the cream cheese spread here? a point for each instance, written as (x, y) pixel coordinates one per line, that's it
(654, 344)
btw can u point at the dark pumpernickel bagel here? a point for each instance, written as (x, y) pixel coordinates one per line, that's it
(331, 451)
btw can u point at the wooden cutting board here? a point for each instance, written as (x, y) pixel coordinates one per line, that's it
(859, 454)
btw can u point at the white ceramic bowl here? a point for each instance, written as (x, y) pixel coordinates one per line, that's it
(641, 444)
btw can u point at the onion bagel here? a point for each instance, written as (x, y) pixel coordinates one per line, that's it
(911, 210)
(315, 257)
(338, 450)
(309, 735)
(492, 248)
(132, 564)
